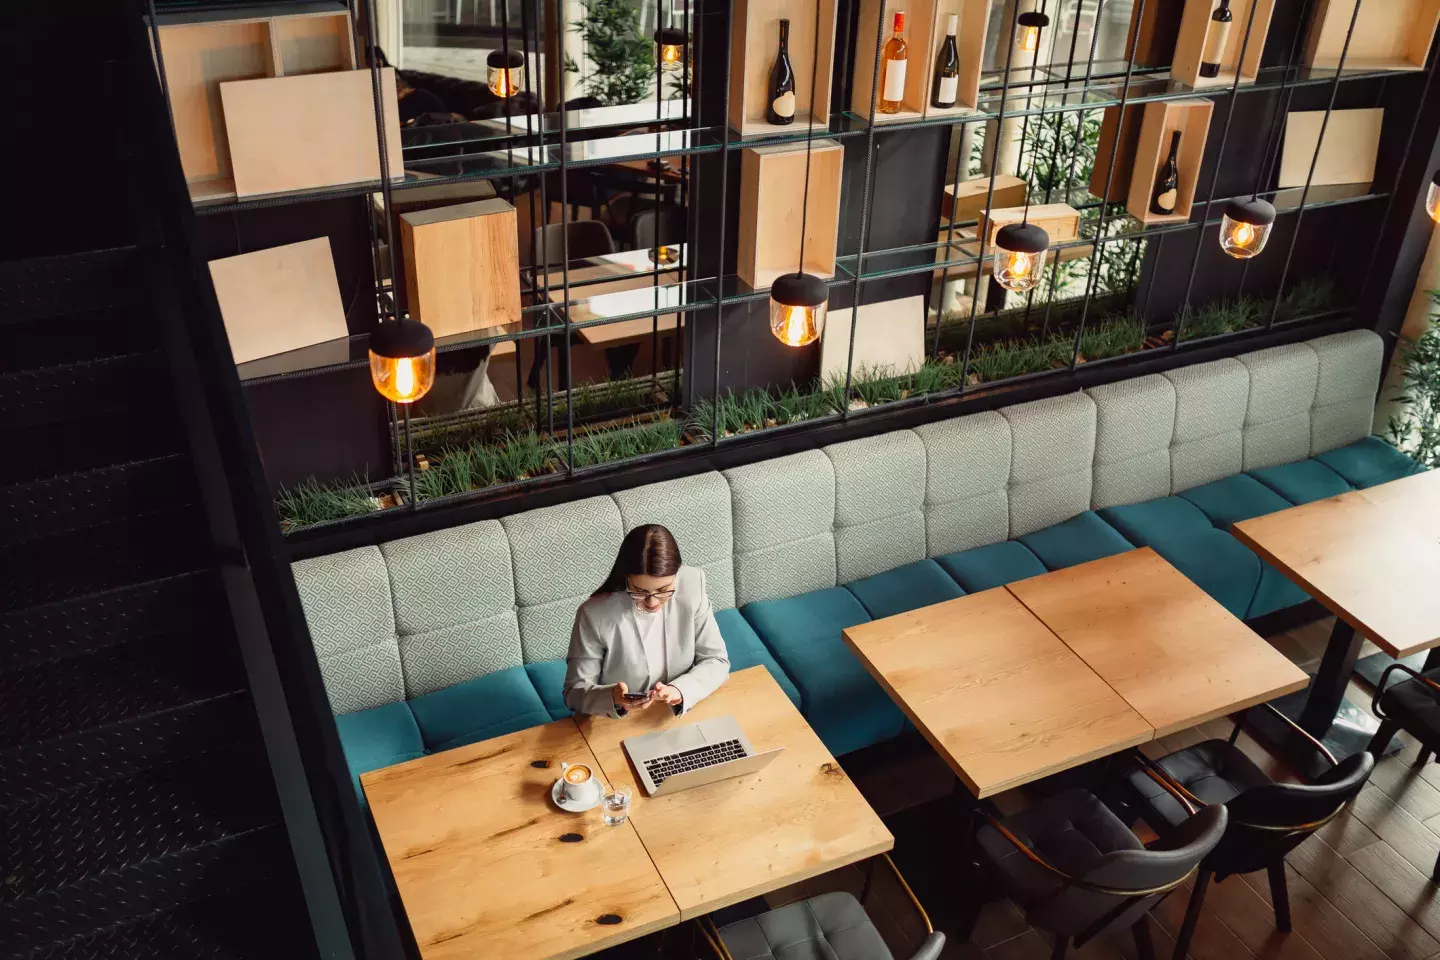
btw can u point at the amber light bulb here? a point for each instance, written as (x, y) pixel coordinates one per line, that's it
(503, 72)
(402, 360)
(1028, 36)
(671, 45)
(1245, 227)
(1432, 198)
(1020, 256)
(798, 306)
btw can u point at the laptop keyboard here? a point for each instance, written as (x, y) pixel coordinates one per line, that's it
(662, 768)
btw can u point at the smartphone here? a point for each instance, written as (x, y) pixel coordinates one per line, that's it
(635, 697)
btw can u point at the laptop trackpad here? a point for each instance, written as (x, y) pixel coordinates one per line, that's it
(684, 738)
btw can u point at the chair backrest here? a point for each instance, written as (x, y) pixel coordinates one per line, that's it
(651, 228)
(587, 238)
(1268, 822)
(1131, 881)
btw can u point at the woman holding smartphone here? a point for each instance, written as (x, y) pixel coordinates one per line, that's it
(647, 635)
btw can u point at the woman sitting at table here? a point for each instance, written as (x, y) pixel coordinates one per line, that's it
(648, 629)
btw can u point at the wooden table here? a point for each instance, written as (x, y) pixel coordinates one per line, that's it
(1173, 653)
(1371, 557)
(996, 693)
(631, 292)
(485, 864)
(728, 841)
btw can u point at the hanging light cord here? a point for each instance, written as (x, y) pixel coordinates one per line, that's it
(809, 137)
(1025, 124)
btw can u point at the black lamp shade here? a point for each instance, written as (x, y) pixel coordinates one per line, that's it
(1257, 212)
(401, 339)
(1022, 238)
(799, 290)
(1033, 18)
(499, 59)
(670, 37)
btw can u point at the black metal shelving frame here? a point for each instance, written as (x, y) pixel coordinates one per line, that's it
(546, 148)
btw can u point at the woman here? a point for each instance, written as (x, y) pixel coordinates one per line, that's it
(647, 635)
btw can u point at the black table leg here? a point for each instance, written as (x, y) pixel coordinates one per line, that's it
(1322, 709)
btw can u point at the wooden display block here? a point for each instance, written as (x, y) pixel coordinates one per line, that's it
(201, 51)
(1389, 34)
(462, 266)
(755, 39)
(772, 187)
(890, 337)
(1352, 142)
(967, 199)
(1190, 45)
(306, 132)
(1153, 40)
(924, 32)
(1060, 220)
(279, 299)
(1161, 119)
(1123, 148)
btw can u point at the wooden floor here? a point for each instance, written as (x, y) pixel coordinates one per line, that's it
(1359, 889)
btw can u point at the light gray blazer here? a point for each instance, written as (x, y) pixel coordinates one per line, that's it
(605, 648)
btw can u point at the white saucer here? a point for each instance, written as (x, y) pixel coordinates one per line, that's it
(572, 806)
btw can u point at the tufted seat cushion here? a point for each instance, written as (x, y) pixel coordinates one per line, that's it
(1077, 540)
(1070, 831)
(1213, 560)
(832, 926)
(548, 677)
(489, 706)
(1303, 481)
(843, 703)
(378, 737)
(905, 588)
(994, 566)
(1368, 462)
(746, 650)
(1214, 771)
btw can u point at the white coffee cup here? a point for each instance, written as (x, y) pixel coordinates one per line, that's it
(578, 783)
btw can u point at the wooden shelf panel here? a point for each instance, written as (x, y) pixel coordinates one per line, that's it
(1392, 35)
(755, 40)
(1192, 119)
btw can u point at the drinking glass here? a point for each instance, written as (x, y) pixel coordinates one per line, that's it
(615, 808)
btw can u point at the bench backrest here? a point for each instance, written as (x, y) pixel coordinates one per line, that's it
(419, 614)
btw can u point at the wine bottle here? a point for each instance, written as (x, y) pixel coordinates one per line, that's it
(947, 68)
(780, 107)
(892, 80)
(1217, 32)
(1167, 183)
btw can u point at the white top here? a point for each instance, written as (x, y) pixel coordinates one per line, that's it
(652, 638)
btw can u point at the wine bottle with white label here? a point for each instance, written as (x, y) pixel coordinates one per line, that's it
(892, 80)
(1167, 183)
(1217, 33)
(780, 108)
(947, 68)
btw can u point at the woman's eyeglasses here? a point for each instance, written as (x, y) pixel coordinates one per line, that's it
(640, 596)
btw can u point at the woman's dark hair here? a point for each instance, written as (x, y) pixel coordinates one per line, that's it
(648, 551)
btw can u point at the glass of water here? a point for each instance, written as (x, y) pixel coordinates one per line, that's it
(615, 807)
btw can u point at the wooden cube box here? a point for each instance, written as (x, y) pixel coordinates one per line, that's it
(1190, 45)
(1352, 143)
(1118, 138)
(755, 39)
(311, 131)
(1389, 35)
(969, 41)
(1190, 117)
(202, 50)
(1060, 220)
(876, 25)
(967, 199)
(772, 185)
(462, 266)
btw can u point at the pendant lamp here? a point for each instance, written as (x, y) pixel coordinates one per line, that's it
(402, 360)
(1027, 38)
(1245, 227)
(503, 72)
(799, 302)
(670, 48)
(1020, 256)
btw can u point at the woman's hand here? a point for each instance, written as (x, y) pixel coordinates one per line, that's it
(667, 693)
(617, 696)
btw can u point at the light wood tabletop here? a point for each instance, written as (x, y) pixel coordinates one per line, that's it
(1370, 556)
(1415, 499)
(728, 841)
(486, 865)
(630, 293)
(998, 695)
(1173, 653)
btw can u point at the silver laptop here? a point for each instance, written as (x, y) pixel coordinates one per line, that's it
(683, 757)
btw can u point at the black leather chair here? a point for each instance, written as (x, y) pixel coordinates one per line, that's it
(586, 238)
(1267, 819)
(1412, 705)
(1077, 870)
(832, 926)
